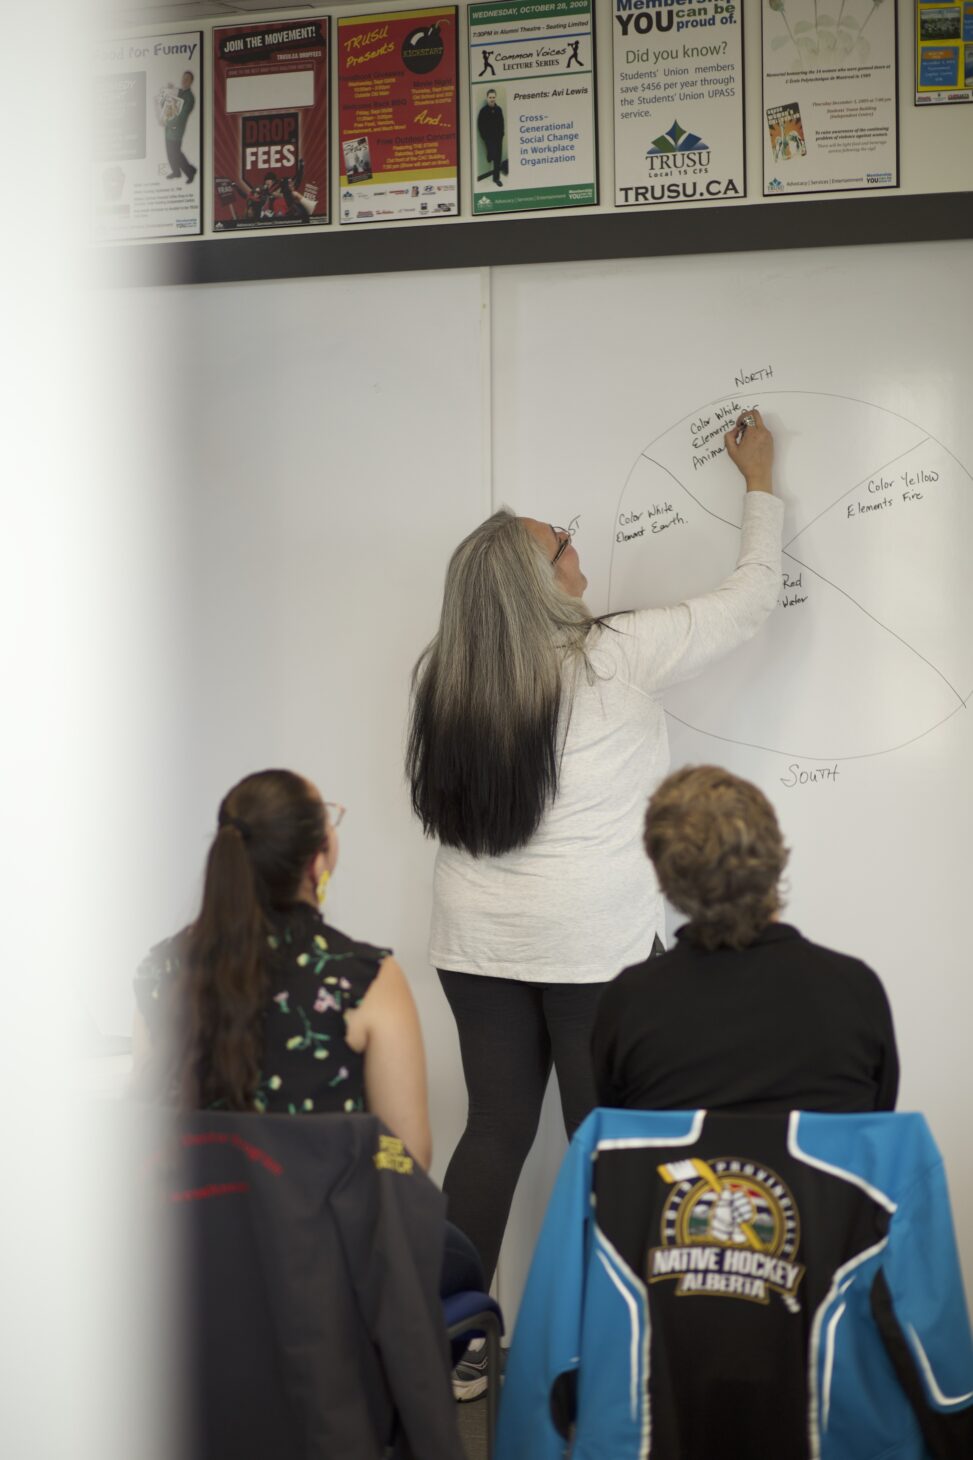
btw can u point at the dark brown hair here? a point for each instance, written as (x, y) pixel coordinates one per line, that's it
(269, 828)
(718, 854)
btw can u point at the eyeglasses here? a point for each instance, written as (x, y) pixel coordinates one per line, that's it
(336, 812)
(565, 535)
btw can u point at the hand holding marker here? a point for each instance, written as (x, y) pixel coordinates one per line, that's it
(741, 426)
(750, 447)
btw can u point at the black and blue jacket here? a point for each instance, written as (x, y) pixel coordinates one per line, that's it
(744, 1287)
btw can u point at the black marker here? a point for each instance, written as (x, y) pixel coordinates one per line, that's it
(745, 421)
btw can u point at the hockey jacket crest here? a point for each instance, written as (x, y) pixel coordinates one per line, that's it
(747, 1287)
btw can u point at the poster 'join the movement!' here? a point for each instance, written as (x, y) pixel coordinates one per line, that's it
(678, 103)
(270, 125)
(532, 97)
(397, 111)
(145, 149)
(830, 96)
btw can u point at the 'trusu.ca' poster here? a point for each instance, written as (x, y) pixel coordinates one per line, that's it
(270, 125)
(397, 115)
(678, 103)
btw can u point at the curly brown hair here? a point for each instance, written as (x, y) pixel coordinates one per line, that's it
(718, 854)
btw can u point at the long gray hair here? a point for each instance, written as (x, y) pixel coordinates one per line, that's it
(484, 740)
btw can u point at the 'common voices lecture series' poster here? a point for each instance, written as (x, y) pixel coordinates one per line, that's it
(532, 105)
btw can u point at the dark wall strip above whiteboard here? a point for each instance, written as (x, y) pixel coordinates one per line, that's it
(826, 223)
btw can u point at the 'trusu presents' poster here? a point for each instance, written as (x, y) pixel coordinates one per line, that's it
(270, 124)
(397, 113)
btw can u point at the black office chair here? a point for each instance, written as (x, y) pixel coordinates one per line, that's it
(470, 1315)
(309, 1262)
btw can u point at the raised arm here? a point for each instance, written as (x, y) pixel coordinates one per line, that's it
(678, 642)
(386, 1027)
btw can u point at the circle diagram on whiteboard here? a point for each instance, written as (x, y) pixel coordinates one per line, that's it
(869, 647)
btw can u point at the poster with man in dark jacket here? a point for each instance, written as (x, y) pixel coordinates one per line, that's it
(490, 125)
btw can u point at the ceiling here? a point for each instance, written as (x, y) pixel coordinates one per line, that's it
(122, 14)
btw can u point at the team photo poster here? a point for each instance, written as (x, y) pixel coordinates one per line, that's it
(532, 105)
(830, 97)
(944, 53)
(270, 125)
(147, 103)
(678, 104)
(397, 115)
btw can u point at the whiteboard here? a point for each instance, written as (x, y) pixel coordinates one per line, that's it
(612, 387)
(287, 503)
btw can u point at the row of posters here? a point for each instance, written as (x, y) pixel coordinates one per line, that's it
(829, 115)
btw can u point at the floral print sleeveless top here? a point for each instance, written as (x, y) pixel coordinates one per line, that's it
(315, 975)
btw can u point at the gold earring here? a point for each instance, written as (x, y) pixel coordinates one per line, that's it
(321, 888)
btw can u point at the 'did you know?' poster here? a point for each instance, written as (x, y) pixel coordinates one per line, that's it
(678, 102)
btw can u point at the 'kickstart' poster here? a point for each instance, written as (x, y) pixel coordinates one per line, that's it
(270, 125)
(678, 103)
(532, 105)
(397, 115)
(145, 149)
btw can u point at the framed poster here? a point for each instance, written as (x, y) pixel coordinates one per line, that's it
(532, 105)
(830, 96)
(944, 53)
(145, 170)
(679, 130)
(397, 115)
(270, 125)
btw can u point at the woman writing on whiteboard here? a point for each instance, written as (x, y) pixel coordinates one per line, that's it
(537, 735)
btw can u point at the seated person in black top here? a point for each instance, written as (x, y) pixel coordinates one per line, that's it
(260, 1005)
(743, 1013)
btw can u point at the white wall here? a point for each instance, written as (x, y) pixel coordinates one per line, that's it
(292, 496)
(292, 491)
(289, 466)
(599, 375)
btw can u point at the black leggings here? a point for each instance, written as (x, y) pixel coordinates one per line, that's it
(509, 1034)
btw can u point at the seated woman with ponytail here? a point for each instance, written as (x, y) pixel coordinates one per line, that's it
(260, 1004)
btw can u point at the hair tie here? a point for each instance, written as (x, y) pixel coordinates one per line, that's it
(237, 823)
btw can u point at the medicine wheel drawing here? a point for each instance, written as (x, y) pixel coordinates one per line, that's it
(870, 646)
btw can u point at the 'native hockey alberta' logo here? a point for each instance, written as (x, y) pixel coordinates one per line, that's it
(730, 1228)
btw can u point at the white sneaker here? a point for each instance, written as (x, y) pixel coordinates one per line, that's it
(470, 1376)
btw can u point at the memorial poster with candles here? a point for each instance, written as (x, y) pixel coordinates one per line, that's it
(829, 115)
